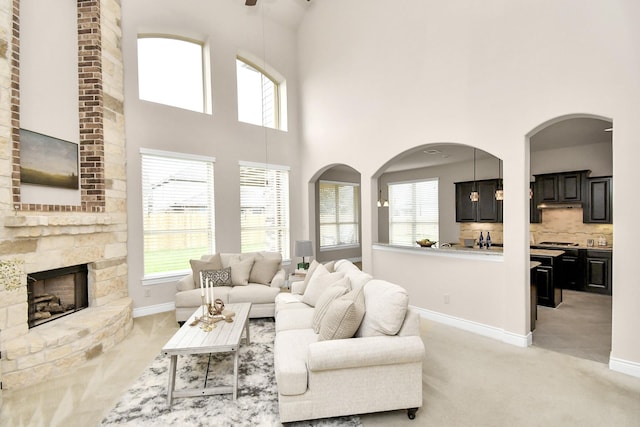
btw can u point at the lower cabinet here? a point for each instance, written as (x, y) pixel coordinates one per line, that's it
(598, 272)
(572, 266)
(546, 277)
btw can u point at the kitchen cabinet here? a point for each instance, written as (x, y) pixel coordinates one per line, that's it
(599, 203)
(486, 209)
(535, 216)
(572, 266)
(563, 187)
(546, 277)
(598, 271)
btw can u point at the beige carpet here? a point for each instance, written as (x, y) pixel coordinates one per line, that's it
(469, 380)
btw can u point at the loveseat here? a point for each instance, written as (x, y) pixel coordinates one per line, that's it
(346, 344)
(255, 277)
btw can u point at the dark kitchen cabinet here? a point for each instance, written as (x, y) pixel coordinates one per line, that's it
(599, 201)
(598, 271)
(546, 277)
(571, 269)
(486, 209)
(535, 216)
(563, 187)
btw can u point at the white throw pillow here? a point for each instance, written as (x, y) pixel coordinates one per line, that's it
(320, 281)
(240, 271)
(343, 316)
(264, 269)
(334, 291)
(312, 269)
(387, 305)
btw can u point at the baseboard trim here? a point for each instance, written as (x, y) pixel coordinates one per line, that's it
(624, 366)
(477, 328)
(153, 309)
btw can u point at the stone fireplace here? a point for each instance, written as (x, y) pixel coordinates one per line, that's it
(39, 236)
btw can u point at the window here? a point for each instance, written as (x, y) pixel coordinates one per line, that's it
(178, 210)
(264, 208)
(258, 96)
(171, 71)
(339, 214)
(413, 212)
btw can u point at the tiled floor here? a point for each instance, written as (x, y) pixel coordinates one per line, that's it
(580, 326)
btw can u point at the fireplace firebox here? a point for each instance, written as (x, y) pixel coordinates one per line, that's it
(55, 293)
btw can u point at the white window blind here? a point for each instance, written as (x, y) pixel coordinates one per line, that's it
(257, 96)
(339, 214)
(178, 210)
(413, 212)
(264, 208)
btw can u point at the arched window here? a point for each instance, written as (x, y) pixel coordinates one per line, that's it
(172, 71)
(258, 95)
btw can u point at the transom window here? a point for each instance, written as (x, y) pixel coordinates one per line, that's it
(178, 210)
(339, 214)
(413, 212)
(264, 208)
(258, 96)
(171, 71)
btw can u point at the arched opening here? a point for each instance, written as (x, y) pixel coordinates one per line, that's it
(336, 213)
(424, 193)
(571, 220)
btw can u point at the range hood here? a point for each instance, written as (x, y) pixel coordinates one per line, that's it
(559, 205)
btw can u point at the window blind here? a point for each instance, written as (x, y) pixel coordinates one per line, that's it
(339, 214)
(178, 211)
(264, 208)
(257, 95)
(413, 212)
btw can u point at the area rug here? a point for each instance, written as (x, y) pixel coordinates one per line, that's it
(145, 403)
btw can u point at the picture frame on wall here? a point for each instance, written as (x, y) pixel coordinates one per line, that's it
(48, 161)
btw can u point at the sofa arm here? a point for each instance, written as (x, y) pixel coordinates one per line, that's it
(186, 283)
(297, 287)
(279, 279)
(368, 351)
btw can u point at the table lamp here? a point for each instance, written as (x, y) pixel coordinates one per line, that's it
(303, 248)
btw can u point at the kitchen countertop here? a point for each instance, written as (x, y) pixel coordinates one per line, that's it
(459, 249)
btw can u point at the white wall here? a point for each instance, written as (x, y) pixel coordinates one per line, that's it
(484, 74)
(228, 28)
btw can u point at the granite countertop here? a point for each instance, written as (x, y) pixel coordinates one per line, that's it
(494, 250)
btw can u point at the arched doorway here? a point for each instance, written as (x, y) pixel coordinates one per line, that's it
(571, 175)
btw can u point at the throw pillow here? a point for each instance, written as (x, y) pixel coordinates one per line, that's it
(387, 305)
(240, 271)
(322, 305)
(343, 316)
(320, 281)
(264, 269)
(214, 263)
(330, 266)
(220, 277)
(312, 269)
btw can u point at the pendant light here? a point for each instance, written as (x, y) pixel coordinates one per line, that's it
(474, 196)
(382, 203)
(499, 191)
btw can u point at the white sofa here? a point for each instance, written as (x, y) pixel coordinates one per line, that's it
(257, 278)
(380, 369)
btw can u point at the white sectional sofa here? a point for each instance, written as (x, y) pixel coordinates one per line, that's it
(320, 371)
(255, 277)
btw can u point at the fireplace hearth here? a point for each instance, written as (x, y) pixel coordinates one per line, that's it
(55, 293)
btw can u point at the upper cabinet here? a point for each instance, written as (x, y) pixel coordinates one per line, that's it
(486, 209)
(599, 203)
(565, 187)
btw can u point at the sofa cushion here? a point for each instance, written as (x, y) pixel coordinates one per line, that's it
(334, 291)
(294, 319)
(320, 281)
(220, 277)
(343, 316)
(330, 266)
(193, 299)
(289, 301)
(264, 269)
(240, 271)
(357, 278)
(386, 307)
(312, 269)
(253, 293)
(212, 263)
(290, 360)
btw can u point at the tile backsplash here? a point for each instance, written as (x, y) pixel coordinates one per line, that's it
(558, 225)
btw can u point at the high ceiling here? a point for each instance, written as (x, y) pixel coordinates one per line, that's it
(285, 12)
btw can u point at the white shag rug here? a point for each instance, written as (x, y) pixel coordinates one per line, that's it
(145, 403)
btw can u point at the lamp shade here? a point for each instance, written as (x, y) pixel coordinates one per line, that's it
(303, 248)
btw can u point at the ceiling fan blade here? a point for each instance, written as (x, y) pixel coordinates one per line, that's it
(250, 2)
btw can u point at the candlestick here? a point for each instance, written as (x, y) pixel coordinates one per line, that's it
(201, 286)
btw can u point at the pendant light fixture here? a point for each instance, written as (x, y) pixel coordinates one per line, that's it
(474, 196)
(499, 191)
(382, 203)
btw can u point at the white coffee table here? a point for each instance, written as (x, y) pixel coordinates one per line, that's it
(224, 338)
